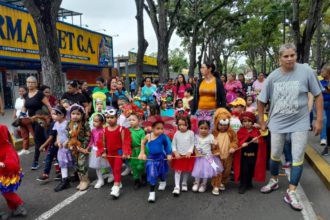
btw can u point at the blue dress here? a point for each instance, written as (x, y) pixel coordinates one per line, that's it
(157, 167)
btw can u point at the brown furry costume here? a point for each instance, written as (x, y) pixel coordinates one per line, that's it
(225, 141)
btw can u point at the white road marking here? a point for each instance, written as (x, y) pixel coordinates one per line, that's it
(64, 203)
(308, 212)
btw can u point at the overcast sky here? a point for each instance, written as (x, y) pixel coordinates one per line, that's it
(117, 18)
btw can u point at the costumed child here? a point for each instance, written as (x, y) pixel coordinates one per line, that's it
(78, 135)
(138, 134)
(10, 175)
(58, 114)
(187, 99)
(95, 160)
(99, 106)
(165, 109)
(122, 116)
(206, 165)
(250, 104)
(115, 146)
(237, 108)
(250, 157)
(225, 145)
(158, 146)
(183, 148)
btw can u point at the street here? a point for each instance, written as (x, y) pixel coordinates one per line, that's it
(43, 203)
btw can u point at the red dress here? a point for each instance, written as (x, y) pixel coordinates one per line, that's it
(260, 168)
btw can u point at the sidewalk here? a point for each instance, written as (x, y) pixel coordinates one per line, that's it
(7, 119)
(321, 164)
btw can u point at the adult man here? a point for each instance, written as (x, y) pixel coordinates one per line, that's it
(287, 88)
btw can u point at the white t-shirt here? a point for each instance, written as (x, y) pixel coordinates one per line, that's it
(183, 142)
(19, 105)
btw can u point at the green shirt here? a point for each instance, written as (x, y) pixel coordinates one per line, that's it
(97, 89)
(137, 136)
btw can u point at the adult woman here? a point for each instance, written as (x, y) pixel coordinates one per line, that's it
(209, 94)
(34, 100)
(257, 85)
(46, 90)
(121, 92)
(223, 78)
(74, 96)
(148, 90)
(180, 87)
(241, 78)
(112, 98)
(87, 93)
(100, 86)
(231, 87)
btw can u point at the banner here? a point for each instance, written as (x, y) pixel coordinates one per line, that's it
(147, 60)
(18, 39)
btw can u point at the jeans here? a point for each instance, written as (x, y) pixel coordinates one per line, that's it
(51, 154)
(326, 122)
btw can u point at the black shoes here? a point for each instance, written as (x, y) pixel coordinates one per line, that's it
(64, 184)
(325, 151)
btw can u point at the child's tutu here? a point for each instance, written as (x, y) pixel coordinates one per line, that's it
(97, 162)
(64, 158)
(207, 167)
(156, 168)
(183, 164)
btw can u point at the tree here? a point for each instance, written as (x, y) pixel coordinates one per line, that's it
(142, 42)
(303, 41)
(163, 16)
(45, 13)
(177, 60)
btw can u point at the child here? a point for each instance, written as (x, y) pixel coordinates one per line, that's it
(58, 115)
(10, 175)
(250, 160)
(250, 105)
(66, 104)
(138, 166)
(206, 165)
(95, 160)
(116, 144)
(226, 144)
(237, 108)
(99, 105)
(123, 117)
(178, 104)
(183, 148)
(188, 99)
(164, 110)
(158, 146)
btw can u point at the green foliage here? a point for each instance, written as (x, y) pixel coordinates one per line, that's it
(177, 60)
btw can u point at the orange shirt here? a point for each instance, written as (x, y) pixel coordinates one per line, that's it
(207, 95)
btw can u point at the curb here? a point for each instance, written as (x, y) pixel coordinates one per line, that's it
(321, 167)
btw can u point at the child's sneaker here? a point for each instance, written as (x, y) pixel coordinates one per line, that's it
(271, 186)
(195, 187)
(222, 187)
(215, 191)
(115, 192)
(287, 165)
(292, 200)
(152, 197)
(202, 188)
(99, 184)
(176, 191)
(184, 188)
(35, 166)
(20, 211)
(43, 178)
(162, 186)
(126, 171)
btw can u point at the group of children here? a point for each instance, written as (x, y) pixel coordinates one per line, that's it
(207, 150)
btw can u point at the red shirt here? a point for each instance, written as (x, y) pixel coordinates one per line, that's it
(180, 92)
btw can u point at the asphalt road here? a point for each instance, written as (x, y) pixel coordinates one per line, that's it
(132, 204)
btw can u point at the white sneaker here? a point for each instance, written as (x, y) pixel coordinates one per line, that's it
(215, 191)
(126, 171)
(26, 152)
(323, 142)
(184, 188)
(222, 187)
(111, 178)
(99, 184)
(115, 191)
(270, 187)
(202, 188)
(152, 197)
(195, 187)
(162, 186)
(176, 191)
